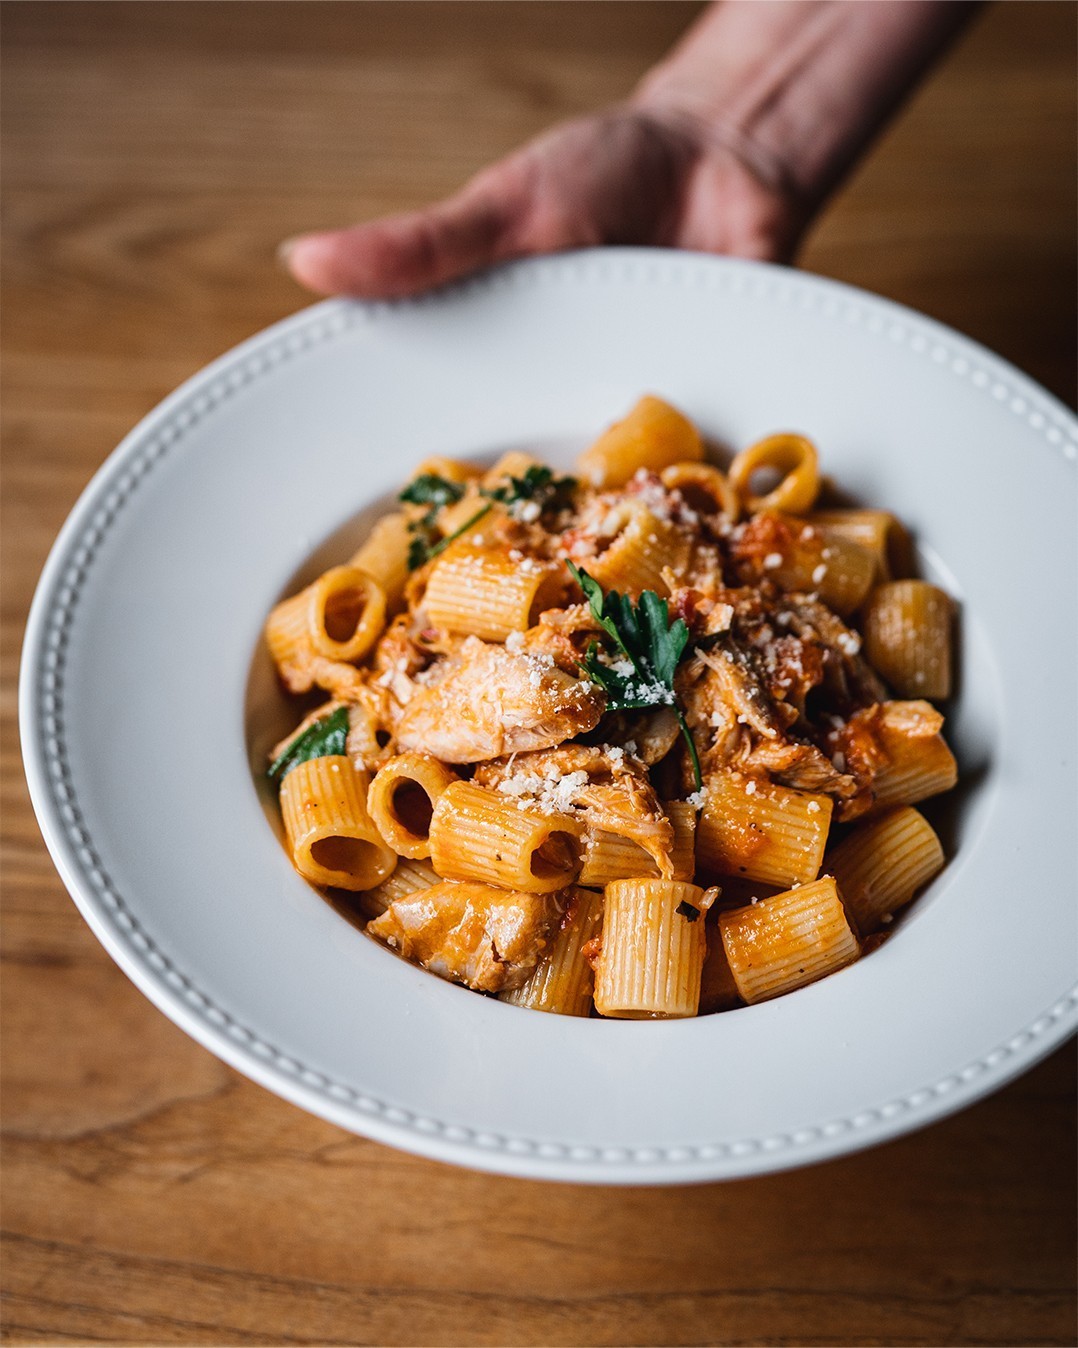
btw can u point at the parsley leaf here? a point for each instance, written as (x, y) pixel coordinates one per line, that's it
(434, 492)
(650, 643)
(538, 484)
(688, 911)
(431, 490)
(322, 739)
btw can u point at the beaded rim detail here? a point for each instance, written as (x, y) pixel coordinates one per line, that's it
(55, 800)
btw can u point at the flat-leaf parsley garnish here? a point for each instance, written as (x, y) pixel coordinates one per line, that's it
(538, 485)
(651, 646)
(324, 738)
(434, 492)
(688, 911)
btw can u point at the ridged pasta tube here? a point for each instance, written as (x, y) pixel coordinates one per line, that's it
(883, 863)
(562, 981)
(876, 530)
(787, 941)
(757, 829)
(476, 834)
(482, 592)
(907, 631)
(513, 463)
(653, 436)
(794, 457)
(384, 556)
(331, 837)
(336, 619)
(640, 547)
(652, 953)
(402, 798)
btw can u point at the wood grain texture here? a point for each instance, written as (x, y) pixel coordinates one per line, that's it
(153, 157)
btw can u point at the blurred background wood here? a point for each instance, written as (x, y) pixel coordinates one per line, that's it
(154, 155)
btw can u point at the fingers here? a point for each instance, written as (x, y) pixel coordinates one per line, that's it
(404, 254)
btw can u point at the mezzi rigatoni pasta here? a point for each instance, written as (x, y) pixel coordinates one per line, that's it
(476, 834)
(883, 863)
(761, 831)
(784, 942)
(908, 637)
(653, 947)
(330, 833)
(558, 706)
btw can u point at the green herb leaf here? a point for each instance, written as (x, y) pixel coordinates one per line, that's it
(321, 739)
(649, 641)
(538, 484)
(434, 492)
(688, 911)
(419, 548)
(431, 490)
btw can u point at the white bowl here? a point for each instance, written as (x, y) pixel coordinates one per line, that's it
(145, 706)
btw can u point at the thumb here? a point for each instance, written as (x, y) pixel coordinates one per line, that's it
(404, 254)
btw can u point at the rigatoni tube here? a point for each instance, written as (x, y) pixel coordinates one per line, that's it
(754, 828)
(402, 798)
(787, 941)
(908, 637)
(385, 556)
(337, 618)
(476, 834)
(653, 436)
(919, 763)
(883, 863)
(637, 546)
(482, 592)
(793, 457)
(332, 838)
(612, 856)
(409, 877)
(652, 950)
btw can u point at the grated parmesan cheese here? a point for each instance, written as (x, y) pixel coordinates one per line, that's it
(550, 793)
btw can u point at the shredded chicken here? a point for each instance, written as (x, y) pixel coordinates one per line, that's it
(488, 939)
(489, 701)
(608, 788)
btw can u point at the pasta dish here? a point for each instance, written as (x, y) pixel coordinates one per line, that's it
(641, 742)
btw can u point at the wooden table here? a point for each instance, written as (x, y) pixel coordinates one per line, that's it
(154, 155)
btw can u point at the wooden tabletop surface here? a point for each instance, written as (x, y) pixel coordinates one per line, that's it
(153, 156)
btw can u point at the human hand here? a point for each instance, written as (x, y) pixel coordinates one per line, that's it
(626, 175)
(730, 145)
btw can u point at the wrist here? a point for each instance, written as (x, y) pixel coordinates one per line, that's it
(796, 89)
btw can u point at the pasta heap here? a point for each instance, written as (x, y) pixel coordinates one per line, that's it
(611, 743)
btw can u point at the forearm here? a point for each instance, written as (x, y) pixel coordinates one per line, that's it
(798, 88)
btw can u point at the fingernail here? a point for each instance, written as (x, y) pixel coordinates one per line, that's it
(284, 249)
